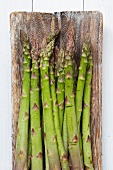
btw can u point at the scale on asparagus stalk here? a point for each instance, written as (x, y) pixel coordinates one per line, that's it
(56, 90)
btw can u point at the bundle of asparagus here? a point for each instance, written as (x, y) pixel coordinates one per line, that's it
(51, 95)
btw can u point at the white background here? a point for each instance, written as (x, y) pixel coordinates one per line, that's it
(8, 6)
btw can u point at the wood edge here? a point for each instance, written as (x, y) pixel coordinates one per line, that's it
(100, 82)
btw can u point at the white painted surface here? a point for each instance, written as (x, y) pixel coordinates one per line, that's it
(6, 7)
(94, 5)
(57, 5)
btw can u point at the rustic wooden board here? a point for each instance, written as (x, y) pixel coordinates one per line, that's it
(35, 25)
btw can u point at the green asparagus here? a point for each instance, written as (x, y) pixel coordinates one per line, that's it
(23, 119)
(65, 135)
(80, 89)
(86, 137)
(73, 142)
(61, 149)
(29, 146)
(36, 138)
(52, 151)
(60, 84)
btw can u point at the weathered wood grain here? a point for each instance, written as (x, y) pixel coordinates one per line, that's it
(85, 22)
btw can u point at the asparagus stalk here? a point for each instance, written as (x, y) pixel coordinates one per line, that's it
(36, 138)
(23, 119)
(80, 90)
(63, 115)
(81, 82)
(81, 149)
(73, 142)
(86, 118)
(46, 155)
(61, 149)
(59, 57)
(60, 84)
(46, 160)
(29, 147)
(64, 134)
(52, 151)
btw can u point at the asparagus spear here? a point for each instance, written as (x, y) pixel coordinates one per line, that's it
(80, 89)
(46, 161)
(86, 118)
(29, 147)
(46, 155)
(73, 142)
(59, 73)
(81, 82)
(36, 161)
(64, 134)
(52, 151)
(22, 131)
(61, 149)
(60, 83)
